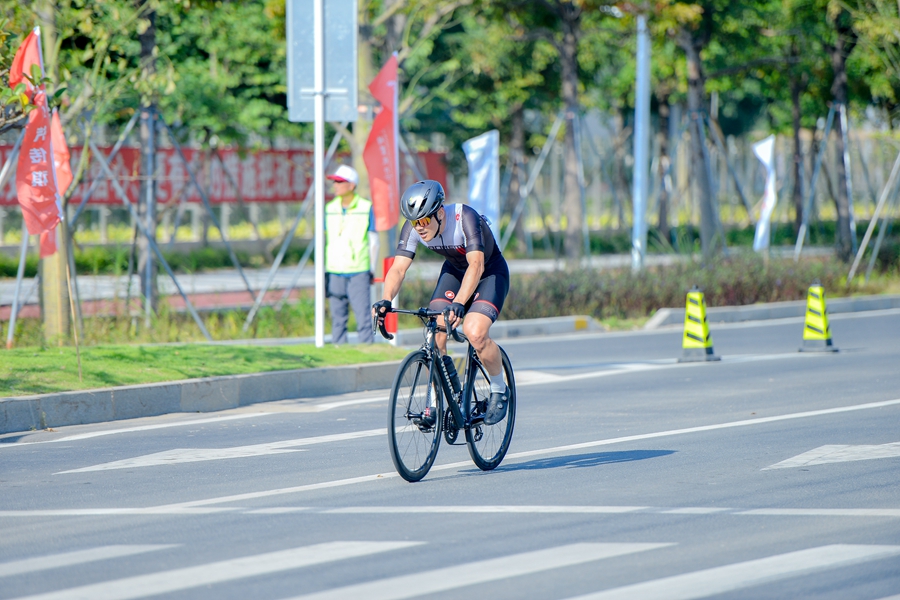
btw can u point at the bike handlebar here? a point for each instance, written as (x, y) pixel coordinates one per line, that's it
(422, 313)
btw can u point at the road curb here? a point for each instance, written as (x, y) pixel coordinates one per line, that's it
(210, 394)
(773, 310)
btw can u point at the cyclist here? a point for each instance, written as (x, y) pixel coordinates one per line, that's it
(474, 279)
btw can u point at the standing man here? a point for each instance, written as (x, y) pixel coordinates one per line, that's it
(351, 248)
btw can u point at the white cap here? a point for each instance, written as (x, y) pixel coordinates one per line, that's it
(345, 173)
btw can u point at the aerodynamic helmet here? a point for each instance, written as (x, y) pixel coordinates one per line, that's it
(421, 199)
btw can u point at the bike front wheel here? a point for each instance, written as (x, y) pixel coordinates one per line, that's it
(488, 444)
(414, 435)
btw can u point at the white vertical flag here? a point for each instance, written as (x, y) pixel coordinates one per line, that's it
(765, 152)
(483, 157)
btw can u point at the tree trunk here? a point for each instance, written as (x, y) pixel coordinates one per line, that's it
(699, 168)
(147, 201)
(54, 290)
(844, 43)
(518, 171)
(798, 155)
(568, 55)
(662, 136)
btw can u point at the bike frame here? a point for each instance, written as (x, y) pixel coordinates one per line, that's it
(429, 319)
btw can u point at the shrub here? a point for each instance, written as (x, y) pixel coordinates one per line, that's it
(741, 279)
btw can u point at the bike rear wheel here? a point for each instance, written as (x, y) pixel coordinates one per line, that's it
(413, 443)
(488, 444)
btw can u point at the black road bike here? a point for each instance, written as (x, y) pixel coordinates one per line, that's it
(423, 405)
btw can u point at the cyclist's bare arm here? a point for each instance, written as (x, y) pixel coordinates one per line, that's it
(395, 276)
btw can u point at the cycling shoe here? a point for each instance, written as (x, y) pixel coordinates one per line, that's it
(496, 407)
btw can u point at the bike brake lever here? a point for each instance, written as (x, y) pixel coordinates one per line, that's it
(381, 327)
(451, 331)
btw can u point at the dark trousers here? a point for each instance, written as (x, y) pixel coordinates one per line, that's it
(344, 292)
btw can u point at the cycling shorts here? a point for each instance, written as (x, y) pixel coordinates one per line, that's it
(488, 297)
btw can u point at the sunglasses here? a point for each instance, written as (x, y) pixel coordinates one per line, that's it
(423, 222)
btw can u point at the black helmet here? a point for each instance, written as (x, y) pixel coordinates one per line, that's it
(422, 199)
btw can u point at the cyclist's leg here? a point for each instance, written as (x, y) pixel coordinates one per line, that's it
(444, 293)
(485, 308)
(477, 328)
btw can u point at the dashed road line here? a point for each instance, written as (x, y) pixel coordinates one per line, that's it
(167, 582)
(75, 557)
(482, 571)
(721, 580)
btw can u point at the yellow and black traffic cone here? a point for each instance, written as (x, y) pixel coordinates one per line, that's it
(697, 344)
(816, 330)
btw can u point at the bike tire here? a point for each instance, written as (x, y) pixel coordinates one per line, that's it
(488, 444)
(415, 387)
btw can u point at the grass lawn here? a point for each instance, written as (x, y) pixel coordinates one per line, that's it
(26, 371)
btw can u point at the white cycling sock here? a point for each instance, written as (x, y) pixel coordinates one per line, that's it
(497, 383)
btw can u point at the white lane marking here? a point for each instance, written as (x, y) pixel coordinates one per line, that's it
(483, 509)
(188, 455)
(838, 454)
(720, 580)
(94, 434)
(106, 512)
(823, 512)
(166, 582)
(175, 510)
(694, 510)
(382, 397)
(540, 452)
(76, 557)
(459, 576)
(278, 510)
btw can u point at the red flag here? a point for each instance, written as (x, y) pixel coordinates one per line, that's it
(381, 154)
(35, 178)
(36, 186)
(29, 53)
(61, 156)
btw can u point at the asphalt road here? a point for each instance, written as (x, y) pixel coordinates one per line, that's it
(772, 474)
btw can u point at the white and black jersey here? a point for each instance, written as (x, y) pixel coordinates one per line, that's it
(465, 231)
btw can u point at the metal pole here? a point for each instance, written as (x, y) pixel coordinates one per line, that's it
(807, 208)
(641, 146)
(297, 272)
(209, 210)
(884, 196)
(532, 178)
(288, 238)
(319, 235)
(102, 176)
(150, 291)
(19, 275)
(410, 160)
(124, 198)
(7, 166)
(885, 225)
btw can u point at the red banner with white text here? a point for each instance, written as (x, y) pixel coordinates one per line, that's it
(263, 176)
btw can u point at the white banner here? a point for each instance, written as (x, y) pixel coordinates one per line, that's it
(483, 157)
(765, 152)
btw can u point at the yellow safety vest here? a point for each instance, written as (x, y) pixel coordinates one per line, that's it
(347, 236)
